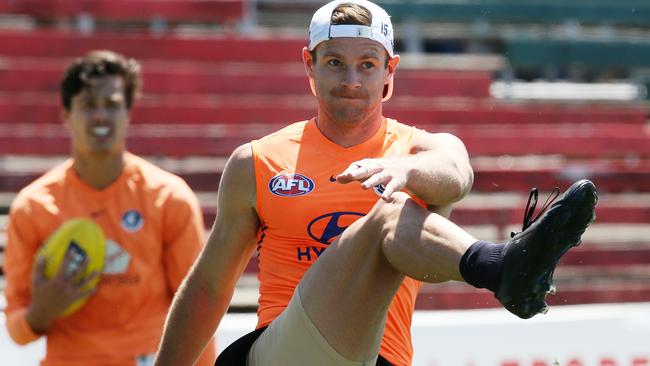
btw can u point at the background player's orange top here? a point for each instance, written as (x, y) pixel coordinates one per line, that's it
(303, 210)
(140, 214)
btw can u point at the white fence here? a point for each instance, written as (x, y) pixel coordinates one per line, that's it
(584, 335)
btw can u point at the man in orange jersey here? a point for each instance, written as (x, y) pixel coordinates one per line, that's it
(339, 267)
(151, 219)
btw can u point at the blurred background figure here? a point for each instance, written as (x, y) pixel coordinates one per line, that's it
(151, 219)
(542, 93)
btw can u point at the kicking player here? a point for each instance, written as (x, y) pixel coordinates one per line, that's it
(348, 212)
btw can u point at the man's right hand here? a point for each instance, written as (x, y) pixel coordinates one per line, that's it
(50, 297)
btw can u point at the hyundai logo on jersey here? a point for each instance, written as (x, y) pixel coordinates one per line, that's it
(324, 229)
(290, 185)
(132, 221)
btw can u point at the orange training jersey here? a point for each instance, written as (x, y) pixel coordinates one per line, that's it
(302, 211)
(154, 230)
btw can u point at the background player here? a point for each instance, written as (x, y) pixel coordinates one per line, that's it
(151, 219)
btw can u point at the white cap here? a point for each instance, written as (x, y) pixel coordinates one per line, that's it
(381, 29)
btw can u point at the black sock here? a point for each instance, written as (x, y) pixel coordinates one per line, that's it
(480, 266)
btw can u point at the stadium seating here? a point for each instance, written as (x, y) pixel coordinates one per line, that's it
(129, 10)
(590, 54)
(206, 94)
(625, 12)
(610, 176)
(196, 109)
(30, 74)
(579, 40)
(608, 12)
(142, 46)
(220, 137)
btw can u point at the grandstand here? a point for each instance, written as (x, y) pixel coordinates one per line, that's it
(218, 73)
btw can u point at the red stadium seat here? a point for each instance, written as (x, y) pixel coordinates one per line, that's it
(30, 74)
(281, 109)
(439, 297)
(204, 95)
(130, 10)
(606, 140)
(39, 43)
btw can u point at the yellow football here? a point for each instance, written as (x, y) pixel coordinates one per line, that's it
(85, 239)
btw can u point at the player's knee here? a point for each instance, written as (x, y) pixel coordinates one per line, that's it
(384, 218)
(400, 220)
(403, 223)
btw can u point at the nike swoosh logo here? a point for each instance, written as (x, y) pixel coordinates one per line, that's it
(332, 179)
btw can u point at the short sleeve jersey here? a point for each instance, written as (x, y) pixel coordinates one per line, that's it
(302, 211)
(154, 230)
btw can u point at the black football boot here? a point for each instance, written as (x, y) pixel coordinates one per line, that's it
(530, 257)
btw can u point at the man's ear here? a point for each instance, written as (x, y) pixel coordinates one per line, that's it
(308, 61)
(389, 80)
(392, 67)
(64, 115)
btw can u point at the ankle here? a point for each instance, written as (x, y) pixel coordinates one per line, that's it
(481, 265)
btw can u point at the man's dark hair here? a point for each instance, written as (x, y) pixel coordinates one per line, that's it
(97, 64)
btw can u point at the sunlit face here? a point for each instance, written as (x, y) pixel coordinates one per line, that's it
(98, 117)
(349, 76)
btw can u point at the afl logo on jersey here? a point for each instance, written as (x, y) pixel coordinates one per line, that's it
(132, 221)
(290, 185)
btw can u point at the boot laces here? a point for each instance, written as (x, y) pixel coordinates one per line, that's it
(532, 203)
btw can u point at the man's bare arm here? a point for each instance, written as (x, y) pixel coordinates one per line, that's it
(203, 297)
(437, 171)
